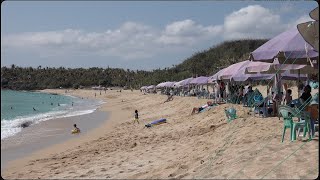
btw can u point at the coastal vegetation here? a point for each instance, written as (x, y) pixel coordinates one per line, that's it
(204, 63)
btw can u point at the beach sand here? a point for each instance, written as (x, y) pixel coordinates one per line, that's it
(188, 146)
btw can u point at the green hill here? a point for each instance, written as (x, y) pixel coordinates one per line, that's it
(203, 63)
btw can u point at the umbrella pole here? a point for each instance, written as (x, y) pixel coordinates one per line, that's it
(298, 83)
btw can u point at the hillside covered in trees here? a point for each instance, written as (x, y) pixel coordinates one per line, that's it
(203, 63)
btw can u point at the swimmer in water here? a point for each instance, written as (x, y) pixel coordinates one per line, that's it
(34, 109)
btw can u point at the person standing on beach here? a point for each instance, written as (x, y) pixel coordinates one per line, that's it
(217, 92)
(95, 94)
(136, 116)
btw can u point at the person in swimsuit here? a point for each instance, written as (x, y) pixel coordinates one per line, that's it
(198, 109)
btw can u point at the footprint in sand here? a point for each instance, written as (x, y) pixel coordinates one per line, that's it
(103, 169)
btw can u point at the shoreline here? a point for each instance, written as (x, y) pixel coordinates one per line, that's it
(187, 146)
(45, 134)
(106, 126)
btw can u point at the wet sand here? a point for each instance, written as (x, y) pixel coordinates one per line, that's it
(47, 133)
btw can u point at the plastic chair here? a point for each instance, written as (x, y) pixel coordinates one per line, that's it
(231, 114)
(306, 120)
(287, 113)
(261, 104)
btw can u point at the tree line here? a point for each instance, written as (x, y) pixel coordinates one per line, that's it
(203, 63)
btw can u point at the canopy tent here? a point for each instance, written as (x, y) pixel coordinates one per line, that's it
(182, 83)
(200, 80)
(289, 47)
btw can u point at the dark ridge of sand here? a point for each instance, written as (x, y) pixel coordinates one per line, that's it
(44, 134)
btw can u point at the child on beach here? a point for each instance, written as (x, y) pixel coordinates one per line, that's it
(76, 130)
(136, 116)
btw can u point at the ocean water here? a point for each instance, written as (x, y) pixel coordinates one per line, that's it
(17, 109)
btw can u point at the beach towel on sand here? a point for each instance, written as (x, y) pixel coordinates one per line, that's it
(156, 122)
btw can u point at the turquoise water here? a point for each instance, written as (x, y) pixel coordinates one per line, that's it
(17, 109)
(23, 102)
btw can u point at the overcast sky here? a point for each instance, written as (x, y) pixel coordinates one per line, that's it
(134, 35)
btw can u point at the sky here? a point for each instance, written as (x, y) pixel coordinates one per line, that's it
(134, 34)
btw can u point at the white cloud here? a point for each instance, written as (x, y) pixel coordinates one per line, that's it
(253, 21)
(187, 32)
(134, 40)
(130, 41)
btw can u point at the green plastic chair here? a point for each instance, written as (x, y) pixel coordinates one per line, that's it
(306, 116)
(231, 114)
(287, 113)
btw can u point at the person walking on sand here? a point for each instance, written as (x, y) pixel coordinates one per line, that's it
(136, 116)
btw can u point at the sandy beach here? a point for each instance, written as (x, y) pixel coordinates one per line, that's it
(187, 146)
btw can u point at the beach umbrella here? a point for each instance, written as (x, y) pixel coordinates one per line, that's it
(182, 83)
(314, 14)
(214, 77)
(242, 74)
(228, 72)
(168, 84)
(310, 33)
(200, 80)
(276, 67)
(143, 87)
(151, 87)
(160, 85)
(289, 47)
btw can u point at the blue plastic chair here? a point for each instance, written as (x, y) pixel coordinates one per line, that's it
(261, 105)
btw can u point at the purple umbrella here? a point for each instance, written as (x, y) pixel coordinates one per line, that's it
(161, 85)
(151, 87)
(228, 72)
(242, 76)
(143, 87)
(275, 67)
(289, 47)
(184, 82)
(169, 84)
(200, 80)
